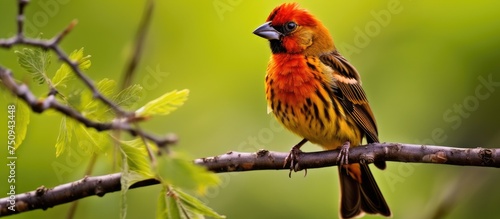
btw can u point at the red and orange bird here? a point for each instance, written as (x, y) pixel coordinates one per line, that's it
(316, 93)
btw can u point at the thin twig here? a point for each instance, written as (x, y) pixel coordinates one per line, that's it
(40, 105)
(140, 38)
(20, 17)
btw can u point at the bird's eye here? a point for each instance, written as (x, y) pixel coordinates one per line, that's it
(290, 26)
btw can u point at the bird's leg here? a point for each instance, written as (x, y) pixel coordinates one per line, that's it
(293, 157)
(343, 157)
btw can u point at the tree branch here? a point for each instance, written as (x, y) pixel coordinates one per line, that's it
(266, 160)
(43, 198)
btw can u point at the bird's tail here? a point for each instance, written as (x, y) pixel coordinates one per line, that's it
(359, 192)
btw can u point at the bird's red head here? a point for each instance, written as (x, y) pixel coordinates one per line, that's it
(291, 29)
(290, 12)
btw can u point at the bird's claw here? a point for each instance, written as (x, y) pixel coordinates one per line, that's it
(293, 159)
(343, 157)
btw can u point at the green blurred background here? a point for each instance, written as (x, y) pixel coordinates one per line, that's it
(417, 66)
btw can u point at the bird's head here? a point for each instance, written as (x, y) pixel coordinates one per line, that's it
(291, 29)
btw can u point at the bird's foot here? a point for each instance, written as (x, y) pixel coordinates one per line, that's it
(343, 157)
(293, 159)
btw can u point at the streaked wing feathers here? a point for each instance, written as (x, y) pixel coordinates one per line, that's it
(351, 94)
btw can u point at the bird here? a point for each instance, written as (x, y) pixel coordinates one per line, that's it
(316, 93)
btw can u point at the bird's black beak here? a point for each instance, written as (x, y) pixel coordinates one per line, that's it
(267, 31)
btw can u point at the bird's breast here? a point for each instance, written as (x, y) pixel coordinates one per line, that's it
(298, 90)
(290, 78)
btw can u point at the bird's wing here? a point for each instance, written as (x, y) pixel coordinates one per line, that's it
(347, 88)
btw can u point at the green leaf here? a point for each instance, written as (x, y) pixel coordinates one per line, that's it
(125, 182)
(106, 86)
(161, 205)
(164, 104)
(135, 167)
(137, 160)
(88, 139)
(172, 200)
(179, 170)
(87, 104)
(195, 206)
(129, 96)
(173, 207)
(63, 74)
(22, 122)
(35, 61)
(65, 135)
(167, 207)
(127, 179)
(93, 108)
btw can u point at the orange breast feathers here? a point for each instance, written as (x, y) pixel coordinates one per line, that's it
(290, 80)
